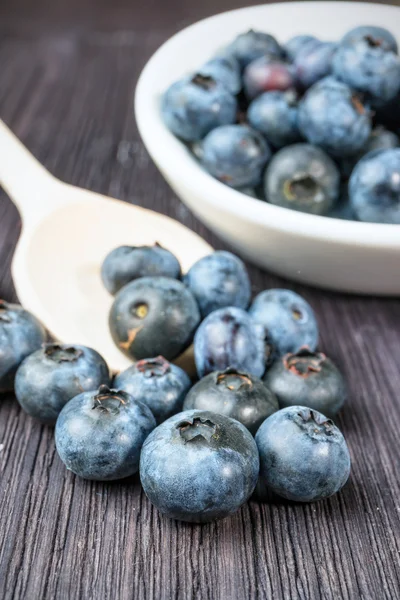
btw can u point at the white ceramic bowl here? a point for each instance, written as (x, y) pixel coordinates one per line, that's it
(331, 253)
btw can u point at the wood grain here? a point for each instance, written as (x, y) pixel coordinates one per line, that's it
(68, 72)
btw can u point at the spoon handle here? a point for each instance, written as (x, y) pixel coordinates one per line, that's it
(24, 179)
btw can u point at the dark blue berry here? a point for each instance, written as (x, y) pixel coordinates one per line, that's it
(156, 383)
(99, 435)
(314, 61)
(154, 316)
(225, 70)
(287, 318)
(274, 114)
(218, 280)
(50, 377)
(333, 117)
(308, 379)
(302, 177)
(20, 335)
(296, 44)
(374, 187)
(303, 455)
(236, 155)
(253, 44)
(126, 263)
(195, 105)
(369, 67)
(240, 396)
(199, 466)
(229, 337)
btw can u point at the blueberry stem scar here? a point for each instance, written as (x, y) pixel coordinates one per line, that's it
(109, 401)
(197, 428)
(60, 353)
(153, 366)
(304, 362)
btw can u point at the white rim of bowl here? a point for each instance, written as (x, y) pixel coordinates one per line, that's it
(175, 159)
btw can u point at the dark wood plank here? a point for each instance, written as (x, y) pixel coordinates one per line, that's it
(66, 88)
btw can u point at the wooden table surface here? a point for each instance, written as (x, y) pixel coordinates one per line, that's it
(67, 75)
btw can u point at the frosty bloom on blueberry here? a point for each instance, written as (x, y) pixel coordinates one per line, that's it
(153, 316)
(303, 455)
(240, 396)
(20, 335)
(157, 383)
(99, 435)
(50, 377)
(199, 466)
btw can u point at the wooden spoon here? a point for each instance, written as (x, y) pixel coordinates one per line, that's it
(67, 232)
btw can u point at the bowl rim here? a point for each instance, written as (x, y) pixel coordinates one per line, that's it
(176, 161)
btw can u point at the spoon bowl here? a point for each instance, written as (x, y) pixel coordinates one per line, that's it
(66, 234)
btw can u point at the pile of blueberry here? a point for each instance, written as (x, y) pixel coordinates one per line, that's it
(260, 409)
(310, 125)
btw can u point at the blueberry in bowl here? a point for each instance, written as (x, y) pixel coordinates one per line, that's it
(369, 65)
(332, 116)
(229, 337)
(302, 177)
(237, 395)
(20, 335)
(303, 455)
(99, 434)
(268, 73)
(274, 114)
(288, 320)
(195, 105)
(53, 375)
(296, 44)
(314, 62)
(224, 69)
(219, 280)
(382, 37)
(126, 263)
(308, 379)
(374, 187)
(199, 466)
(153, 316)
(157, 383)
(251, 45)
(235, 154)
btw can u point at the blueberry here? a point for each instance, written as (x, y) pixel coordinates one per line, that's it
(229, 337)
(225, 70)
(218, 280)
(237, 395)
(236, 155)
(380, 139)
(51, 376)
(156, 383)
(332, 116)
(303, 455)
(304, 178)
(367, 66)
(20, 335)
(153, 316)
(126, 263)
(195, 105)
(199, 466)
(274, 114)
(287, 318)
(379, 34)
(267, 74)
(253, 44)
(308, 379)
(99, 435)
(297, 44)
(374, 187)
(314, 61)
